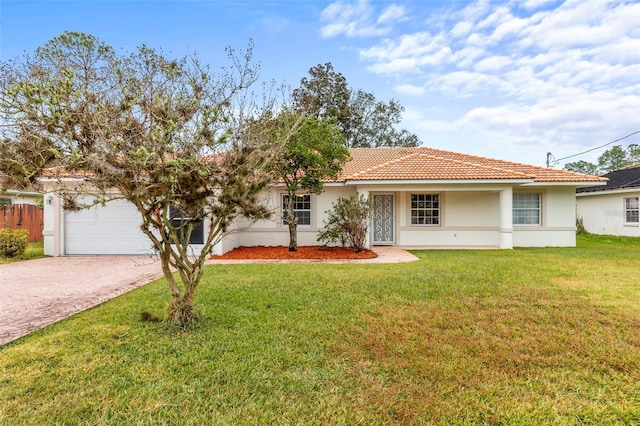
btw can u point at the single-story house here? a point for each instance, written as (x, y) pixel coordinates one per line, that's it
(422, 198)
(612, 209)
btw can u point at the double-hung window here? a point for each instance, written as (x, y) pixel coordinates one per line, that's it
(301, 208)
(425, 209)
(526, 209)
(631, 208)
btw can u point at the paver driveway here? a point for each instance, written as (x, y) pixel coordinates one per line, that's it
(39, 292)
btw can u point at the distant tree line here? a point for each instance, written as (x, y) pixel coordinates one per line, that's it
(612, 159)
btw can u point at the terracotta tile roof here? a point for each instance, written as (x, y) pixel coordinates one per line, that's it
(424, 163)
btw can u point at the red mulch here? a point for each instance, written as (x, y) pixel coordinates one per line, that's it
(306, 252)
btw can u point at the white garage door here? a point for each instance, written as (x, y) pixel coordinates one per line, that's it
(110, 229)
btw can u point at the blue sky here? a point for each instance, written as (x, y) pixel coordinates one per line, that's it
(510, 79)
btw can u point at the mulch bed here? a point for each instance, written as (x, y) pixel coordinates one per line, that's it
(303, 252)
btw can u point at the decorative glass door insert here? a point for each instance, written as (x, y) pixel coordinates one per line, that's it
(383, 219)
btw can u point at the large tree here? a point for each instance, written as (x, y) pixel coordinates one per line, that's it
(165, 134)
(364, 121)
(312, 154)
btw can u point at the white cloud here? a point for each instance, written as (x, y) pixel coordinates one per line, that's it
(357, 19)
(461, 29)
(493, 63)
(535, 4)
(565, 73)
(392, 13)
(409, 90)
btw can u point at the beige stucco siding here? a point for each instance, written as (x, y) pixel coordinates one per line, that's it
(468, 219)
(272, 232)
(471, 216)
(558, 227)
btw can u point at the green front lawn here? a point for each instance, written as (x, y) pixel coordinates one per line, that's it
(34, 251)
(525, 336)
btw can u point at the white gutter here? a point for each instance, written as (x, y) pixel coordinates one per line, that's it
(17, 193)
(439, 182)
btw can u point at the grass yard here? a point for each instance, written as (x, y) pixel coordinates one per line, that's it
(525, 336)
(34, 251)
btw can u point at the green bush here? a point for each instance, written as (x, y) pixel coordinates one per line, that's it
(13, 242)
(347, 223)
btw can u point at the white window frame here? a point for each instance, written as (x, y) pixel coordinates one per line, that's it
(630, 209)
(297, 212)
(433, 198)
(527, 208)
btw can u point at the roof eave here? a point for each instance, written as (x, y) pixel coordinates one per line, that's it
(575, 184)
(612, 191)
(350, 182)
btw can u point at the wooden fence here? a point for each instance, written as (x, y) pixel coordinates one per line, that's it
(23, 216)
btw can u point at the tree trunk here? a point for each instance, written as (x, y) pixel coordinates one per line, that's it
(183, 311)
(292, 221)
(293, 235)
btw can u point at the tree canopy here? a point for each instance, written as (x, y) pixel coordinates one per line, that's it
(313, 153)
(364, 121)
(615, 158)
(166, 134)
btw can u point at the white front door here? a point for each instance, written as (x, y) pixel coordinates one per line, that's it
(383, 219)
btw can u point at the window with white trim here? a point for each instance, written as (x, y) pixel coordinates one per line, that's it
(301, 208)
(631, 209)
(526, 209)
(425, 209)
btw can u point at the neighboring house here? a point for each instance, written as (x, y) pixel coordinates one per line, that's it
(22, 210)
(612, 209)
(12, 196)
(422, 198)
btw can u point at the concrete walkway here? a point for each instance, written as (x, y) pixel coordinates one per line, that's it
(36, 293)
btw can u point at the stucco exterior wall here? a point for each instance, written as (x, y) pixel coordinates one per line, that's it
(468, 219)
(273, 232)
(558, 227)
(603, 213)
(473, 216)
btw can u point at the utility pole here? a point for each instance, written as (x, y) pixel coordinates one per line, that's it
(551, 161)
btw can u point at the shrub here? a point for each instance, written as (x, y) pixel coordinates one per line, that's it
(13, 242)
(347, 223)
(580, 230)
